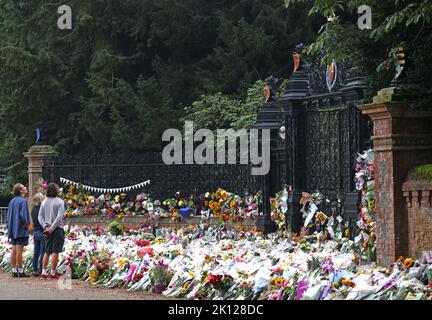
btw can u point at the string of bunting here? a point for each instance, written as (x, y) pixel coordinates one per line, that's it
(106, 190)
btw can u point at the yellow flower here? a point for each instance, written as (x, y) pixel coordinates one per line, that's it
(348, 282)
(321, 217)
(159, 240)
(224, 195)
(278, 281)
(408, 263)
(121, 262)
(400, 259)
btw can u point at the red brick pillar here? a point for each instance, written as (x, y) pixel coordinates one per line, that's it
(418, 195)
(402, 140)
(36, 156)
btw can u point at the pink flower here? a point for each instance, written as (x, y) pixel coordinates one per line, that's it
(130, 272)
(142, 252)
(277, 269)
(301, 289)
(280, 294)
(272, 296)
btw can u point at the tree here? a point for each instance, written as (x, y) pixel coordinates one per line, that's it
(396, 24)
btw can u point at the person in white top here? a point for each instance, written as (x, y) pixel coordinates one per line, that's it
(51, 215)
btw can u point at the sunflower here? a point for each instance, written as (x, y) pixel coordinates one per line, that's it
(211, 205)
(223, 195)
(408, 263)
(278, 281)
(321, 218)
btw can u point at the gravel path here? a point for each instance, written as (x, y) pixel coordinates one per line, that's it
(36, 289)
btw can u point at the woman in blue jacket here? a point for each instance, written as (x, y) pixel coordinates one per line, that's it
(18, 223)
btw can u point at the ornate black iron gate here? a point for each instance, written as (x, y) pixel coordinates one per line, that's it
(324, 132)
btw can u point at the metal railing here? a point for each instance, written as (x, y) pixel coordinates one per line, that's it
(3, 216)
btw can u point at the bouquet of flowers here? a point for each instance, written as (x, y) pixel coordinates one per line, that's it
(365, 182)
(219, 282)
(160, 276)
(279, 207)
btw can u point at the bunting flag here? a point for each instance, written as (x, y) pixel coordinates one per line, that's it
(106, 190)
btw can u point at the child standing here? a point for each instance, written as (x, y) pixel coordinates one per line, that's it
(38, 237)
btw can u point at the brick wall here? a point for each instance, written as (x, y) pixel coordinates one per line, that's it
(417, 194)
(402, 140)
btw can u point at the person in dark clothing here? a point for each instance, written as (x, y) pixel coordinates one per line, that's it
(38, 236)
(18, 224)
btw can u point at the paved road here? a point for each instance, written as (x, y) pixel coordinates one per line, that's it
(35, 289)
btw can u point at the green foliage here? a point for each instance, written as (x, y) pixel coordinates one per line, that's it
(396, 24)
(116, 228)
(422, 172)
(219, 111)
(213, 111)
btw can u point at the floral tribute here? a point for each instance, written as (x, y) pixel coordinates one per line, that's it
(365, 182)
(279, 206)
(221, 204)
(211, 263)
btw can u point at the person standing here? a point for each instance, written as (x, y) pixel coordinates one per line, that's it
(18, 225)
(51, 215)
(38, 236)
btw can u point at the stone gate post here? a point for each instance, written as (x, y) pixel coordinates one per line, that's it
(402, 140)
(36, 156)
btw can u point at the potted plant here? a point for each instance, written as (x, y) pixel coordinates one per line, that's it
(159, 277)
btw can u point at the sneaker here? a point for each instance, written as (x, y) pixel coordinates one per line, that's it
(14, 274)
(43, 277)
(54, 276)
(36, 274)
(23, 275)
